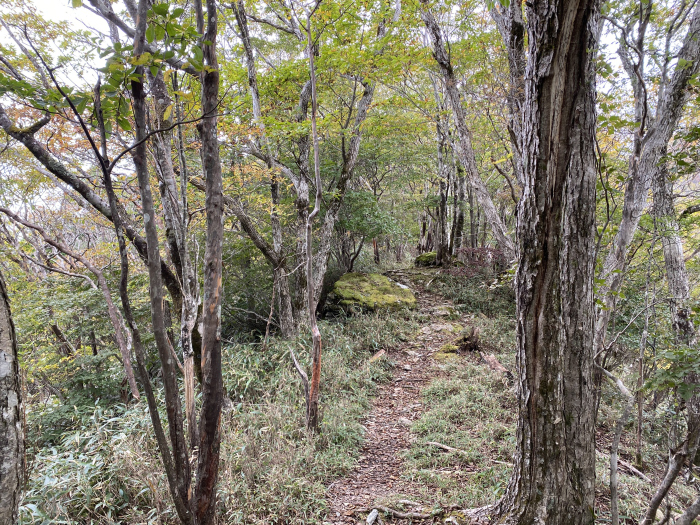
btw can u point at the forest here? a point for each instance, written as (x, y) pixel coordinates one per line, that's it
(348, 262)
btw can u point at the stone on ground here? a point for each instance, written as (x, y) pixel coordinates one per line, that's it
(426, 259)
(371, 291)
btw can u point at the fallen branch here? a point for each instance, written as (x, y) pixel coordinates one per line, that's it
(478, 515)
(495, 365)
(634, 471)
(409, 515)
(628, 466)
(448, 448)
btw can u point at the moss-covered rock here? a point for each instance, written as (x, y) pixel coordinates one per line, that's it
(448, 348)
(426, 259)
(445, 356)
(371, 291)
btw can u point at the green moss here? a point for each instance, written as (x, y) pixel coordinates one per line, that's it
(449, 348)
(372, 292)
(444, 356)
(427, 259)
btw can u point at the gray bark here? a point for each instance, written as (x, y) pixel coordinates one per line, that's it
(11, 420)
(554, 474)
(676, 274)
(465, 151)
(511, 26)
(649, 149)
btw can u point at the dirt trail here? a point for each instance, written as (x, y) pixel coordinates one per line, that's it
(398, 403)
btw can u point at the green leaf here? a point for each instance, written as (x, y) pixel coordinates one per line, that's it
(124, 123)
(80, 103)
(177, 12)
(142, 59)
(77, 3)
(150, 34)
(160, 9)
(198, 54)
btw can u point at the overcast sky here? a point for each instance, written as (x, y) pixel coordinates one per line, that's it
(62, 10)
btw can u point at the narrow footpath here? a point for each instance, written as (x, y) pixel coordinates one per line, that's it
(398, 403)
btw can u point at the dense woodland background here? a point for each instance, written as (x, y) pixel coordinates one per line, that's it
(166, 167)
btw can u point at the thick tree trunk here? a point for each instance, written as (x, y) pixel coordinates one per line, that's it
(11, 416)
(554, 474)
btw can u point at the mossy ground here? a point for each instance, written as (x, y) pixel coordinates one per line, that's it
(372, 291)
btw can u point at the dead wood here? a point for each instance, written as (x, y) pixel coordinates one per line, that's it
(495, 365)
(447, 448)
(629, 468)
(470, 342)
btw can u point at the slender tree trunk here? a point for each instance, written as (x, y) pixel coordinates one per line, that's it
(312, 409)
(169, 371)
(11, 416)
(511, 25)
(191, 353)
(458, 220)
(212, 379)
(676, 459)
(554, 473)
(649, 148)
(441, 241)
(473, 221)
(676, 274)
(465, 151)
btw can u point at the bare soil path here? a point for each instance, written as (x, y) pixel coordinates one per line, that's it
(398, 403)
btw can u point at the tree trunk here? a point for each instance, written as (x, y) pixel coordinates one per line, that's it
(204, 505)
(456, 239)
(554, 474)
(465, 151)
(11, 410)
(643, 163)
(676, 274)
(169, 372)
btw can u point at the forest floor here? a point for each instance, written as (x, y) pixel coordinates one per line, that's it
(441, 432)
(386, 475)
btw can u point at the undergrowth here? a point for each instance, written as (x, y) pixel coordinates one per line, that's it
(473, 411)
(480, 293)
(272, 471)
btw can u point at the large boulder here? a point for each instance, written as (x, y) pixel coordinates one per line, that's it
(371, 291)
(426, 259)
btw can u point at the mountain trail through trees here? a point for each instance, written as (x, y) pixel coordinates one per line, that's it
(378, 475)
